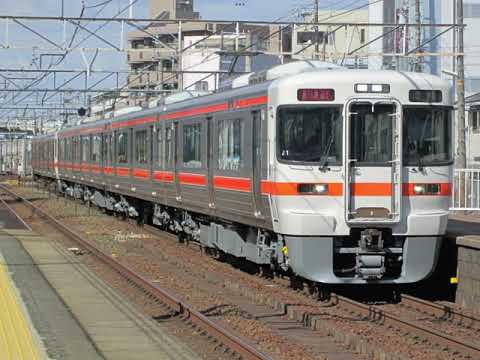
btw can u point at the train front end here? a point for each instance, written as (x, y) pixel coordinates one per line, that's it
(362, 166)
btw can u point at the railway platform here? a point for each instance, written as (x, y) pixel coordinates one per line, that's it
(18, 338)
(463, 224)
(53, 307)
(464, 244)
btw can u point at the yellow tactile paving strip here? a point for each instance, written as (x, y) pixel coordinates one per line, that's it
(17, 341)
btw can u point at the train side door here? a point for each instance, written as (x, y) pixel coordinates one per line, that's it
(176, 164)
(257, 162)
(210, 161)
(373, 162)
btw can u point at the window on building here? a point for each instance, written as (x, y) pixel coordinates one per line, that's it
(311, 36)
(201, 86)
(141, 147)
(192, 146)
(96, 148)
(230, 137)
(362, 36)
(475, 122)
(167, 65)
(122, 147)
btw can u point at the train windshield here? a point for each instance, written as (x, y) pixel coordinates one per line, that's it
(310, 135)
(427, 136)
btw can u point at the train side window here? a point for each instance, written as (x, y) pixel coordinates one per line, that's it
(122, 148)
(85, 148)
(141, 147)
(230, 136)
(169, 150)
(192, 146)
(96, 148)
(110, 145)
(78, 149)
(70, 149)
(104, 147)
(65, 149)
(60, 150)
(160, 136)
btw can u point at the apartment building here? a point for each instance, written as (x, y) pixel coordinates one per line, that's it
(335, 42)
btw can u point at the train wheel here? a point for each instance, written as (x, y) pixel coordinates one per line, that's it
(323, 292)
(296, 283)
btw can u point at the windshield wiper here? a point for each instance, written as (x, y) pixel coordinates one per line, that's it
(326, 153)
(419, 161)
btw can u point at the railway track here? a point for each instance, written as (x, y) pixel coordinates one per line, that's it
(408, 326)
(441, 312)
(237, 345)
(412, 327)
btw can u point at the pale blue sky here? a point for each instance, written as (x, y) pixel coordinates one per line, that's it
(211, 9)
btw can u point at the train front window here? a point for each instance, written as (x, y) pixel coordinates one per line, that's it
(371, 133)
(427, 136)
(310, 135)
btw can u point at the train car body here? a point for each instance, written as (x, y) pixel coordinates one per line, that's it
(342, 176)
(15, 156)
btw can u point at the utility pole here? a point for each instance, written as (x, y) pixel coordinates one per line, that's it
(418, 16)
(461, 160)
(461, 146)
(317, 34)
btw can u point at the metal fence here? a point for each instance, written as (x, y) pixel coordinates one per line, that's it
(466, 190)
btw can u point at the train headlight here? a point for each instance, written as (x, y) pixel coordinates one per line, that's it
(372, 88)
(426, 189)
(313, 189)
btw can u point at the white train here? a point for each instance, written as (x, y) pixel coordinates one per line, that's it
(15, 155)
(339, 176)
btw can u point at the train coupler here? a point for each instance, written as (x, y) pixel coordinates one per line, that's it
(370, 258)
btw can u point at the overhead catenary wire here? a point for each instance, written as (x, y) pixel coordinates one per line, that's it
(43, 76)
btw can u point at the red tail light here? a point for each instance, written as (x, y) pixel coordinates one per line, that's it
(316, 95)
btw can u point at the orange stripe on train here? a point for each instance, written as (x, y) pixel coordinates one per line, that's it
(231, 183)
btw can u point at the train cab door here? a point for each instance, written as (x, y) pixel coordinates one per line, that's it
(373, 162)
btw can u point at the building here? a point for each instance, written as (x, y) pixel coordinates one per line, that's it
(166, 59)
(335, 43)
(173, 9)
(472, 132)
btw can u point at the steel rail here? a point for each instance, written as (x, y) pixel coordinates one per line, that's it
(241, 346)
(9, 208)
(441, 311)
(387, 318)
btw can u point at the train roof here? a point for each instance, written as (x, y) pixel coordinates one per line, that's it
(328, 75)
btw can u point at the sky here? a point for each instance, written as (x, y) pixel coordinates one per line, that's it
(253, 9)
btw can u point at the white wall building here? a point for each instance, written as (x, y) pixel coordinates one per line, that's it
(334, 46)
